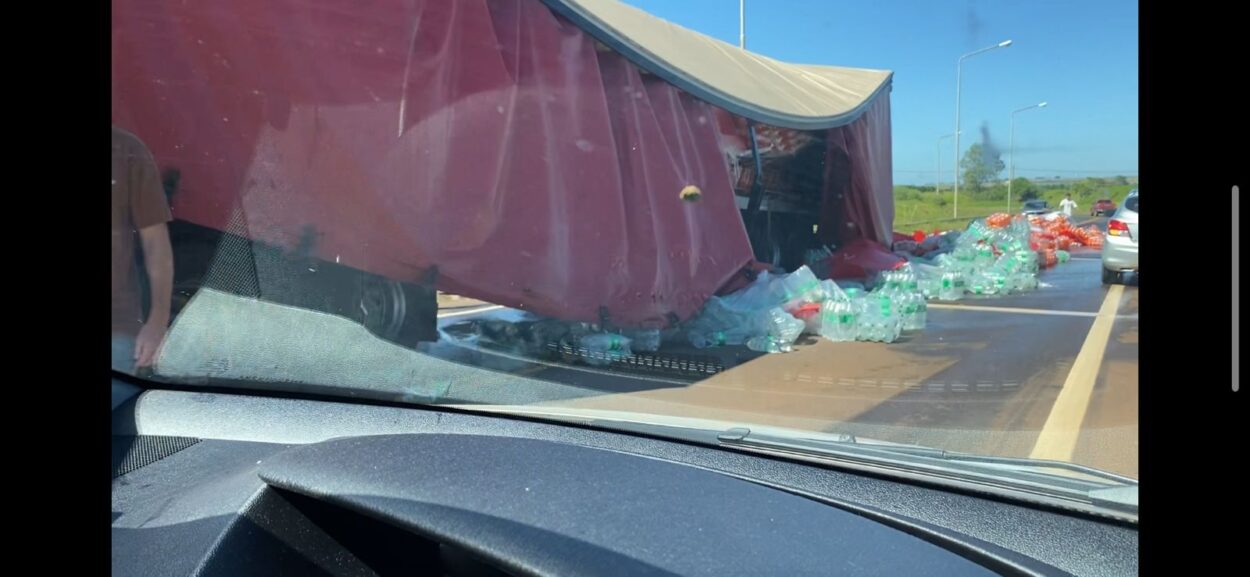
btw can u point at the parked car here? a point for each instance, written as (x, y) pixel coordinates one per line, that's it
(1036, 207)
(1102, 207)
(1119, 251)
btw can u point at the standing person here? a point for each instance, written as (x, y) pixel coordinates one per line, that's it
(140, 217)
(1067, 205)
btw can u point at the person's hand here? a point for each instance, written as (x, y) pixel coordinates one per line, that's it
(148, 343)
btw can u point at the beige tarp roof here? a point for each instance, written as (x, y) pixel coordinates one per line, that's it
(770, 91)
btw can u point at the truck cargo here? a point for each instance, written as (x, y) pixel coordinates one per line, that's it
(537, 154)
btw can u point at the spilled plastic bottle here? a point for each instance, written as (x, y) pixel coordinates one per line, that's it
(781, 325)
(914, 311)
(604, 348)
(767, 344)
(838, 320)
(930, 287)
(952, 288)
(878, 317)
(706, 340)
(922, 314)
(644, 340)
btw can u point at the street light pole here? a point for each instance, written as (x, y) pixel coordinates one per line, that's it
(938, 188)
(1011, 172)
(959, 76)
(742, 24)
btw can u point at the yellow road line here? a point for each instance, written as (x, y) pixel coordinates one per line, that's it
(1057, 440)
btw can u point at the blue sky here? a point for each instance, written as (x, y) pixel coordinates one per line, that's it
(1078, 55)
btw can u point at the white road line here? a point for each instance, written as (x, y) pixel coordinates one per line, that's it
(470, 311)
(1057, 440)
(1025, 311)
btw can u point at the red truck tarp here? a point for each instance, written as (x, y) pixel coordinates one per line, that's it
(491, 139)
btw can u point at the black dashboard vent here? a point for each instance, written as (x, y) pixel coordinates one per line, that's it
(135, 452)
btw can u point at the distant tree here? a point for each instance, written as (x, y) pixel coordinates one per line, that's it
(1121, 180)
(979, 168)
(1023, 189)
(1089, 188)
(996, 191)
(906, 193)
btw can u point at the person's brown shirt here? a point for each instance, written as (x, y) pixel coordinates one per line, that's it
(138, 202)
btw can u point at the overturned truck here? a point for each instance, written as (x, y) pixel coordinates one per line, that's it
(579, 159)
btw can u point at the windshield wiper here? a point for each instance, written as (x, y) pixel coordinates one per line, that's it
(744, 435)
(1099, 488)
(1038, 465)
(1082, 488)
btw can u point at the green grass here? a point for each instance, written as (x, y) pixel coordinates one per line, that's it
(920, 208)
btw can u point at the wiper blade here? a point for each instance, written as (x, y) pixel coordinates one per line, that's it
(739, 435)
(1092, 491)
(1039, 465)
(839, 446)
(1089, 490)
(1101, 489)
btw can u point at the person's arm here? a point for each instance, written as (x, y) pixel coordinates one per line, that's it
(150, 213)
(158, 258)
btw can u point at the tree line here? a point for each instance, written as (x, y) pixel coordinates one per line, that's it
(981, 178)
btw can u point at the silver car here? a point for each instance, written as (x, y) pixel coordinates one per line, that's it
(1119, 251)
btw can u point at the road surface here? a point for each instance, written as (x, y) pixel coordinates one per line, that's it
(1048, 374)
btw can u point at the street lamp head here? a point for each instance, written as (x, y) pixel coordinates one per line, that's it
(1004, 44)
(1042, 105)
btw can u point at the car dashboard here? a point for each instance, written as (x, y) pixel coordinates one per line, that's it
(218, 483)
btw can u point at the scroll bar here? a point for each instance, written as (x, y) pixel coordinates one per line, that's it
(1236, 293)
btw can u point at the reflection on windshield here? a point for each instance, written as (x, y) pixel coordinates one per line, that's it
(140, 236)
(483, 203)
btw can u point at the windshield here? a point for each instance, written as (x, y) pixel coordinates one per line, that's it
(573, 210)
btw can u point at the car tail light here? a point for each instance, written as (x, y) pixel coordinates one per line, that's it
(1117, 228)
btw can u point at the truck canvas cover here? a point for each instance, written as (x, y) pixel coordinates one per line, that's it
(533, 152)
